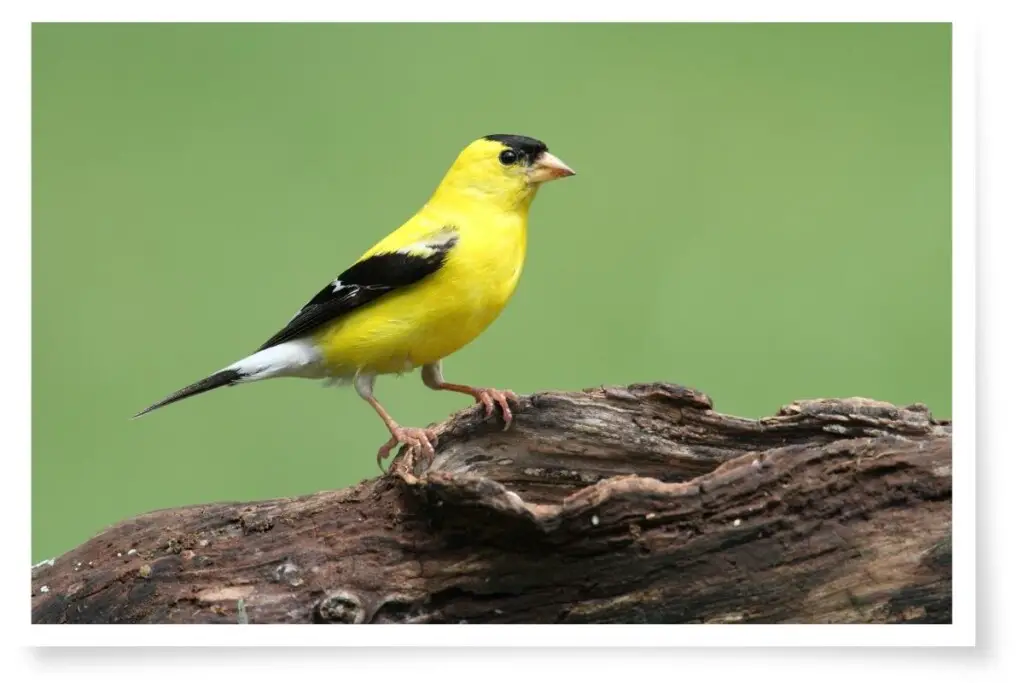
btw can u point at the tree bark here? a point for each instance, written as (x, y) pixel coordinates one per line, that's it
(614, 505)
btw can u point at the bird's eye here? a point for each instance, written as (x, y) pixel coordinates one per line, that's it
(508, 157)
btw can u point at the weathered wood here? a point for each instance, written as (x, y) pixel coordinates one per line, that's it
(624, 504)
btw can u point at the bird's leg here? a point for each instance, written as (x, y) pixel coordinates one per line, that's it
(420, 441)
(433, 378)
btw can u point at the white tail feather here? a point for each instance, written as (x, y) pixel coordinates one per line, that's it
(296, 358)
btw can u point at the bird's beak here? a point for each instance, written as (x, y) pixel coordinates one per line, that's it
(548, 167)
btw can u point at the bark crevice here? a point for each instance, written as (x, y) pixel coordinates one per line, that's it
(636, 504)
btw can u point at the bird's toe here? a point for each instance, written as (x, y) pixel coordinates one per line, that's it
(487, 402)
(503, 398)
(384, 452)
(489, 397)
(420, 443)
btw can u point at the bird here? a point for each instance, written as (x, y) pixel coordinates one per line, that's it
(418, 295)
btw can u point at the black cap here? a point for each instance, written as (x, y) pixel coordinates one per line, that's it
(531, 148)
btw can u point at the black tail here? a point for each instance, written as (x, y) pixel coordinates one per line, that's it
(223, 378)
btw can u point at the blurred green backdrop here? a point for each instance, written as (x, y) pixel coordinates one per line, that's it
(761, 212)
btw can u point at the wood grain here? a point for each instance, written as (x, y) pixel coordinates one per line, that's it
(636, 504)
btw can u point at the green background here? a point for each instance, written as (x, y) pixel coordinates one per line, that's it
(761, 212)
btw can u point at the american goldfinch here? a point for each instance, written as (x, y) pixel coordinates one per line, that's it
(420, 294)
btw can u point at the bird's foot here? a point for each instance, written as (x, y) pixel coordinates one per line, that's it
(420, 441)
(489, 397)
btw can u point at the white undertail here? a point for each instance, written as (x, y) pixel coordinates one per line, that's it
(296, 358)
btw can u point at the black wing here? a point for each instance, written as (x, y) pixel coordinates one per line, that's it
(368, 280)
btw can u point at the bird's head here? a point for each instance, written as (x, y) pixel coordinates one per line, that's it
(504, 169)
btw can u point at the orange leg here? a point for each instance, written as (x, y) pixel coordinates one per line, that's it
(420, 441)
(433, 378)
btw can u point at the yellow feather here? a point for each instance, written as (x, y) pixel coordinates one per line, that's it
(487, 204)
(484, 199)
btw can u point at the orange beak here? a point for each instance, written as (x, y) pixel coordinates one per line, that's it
(548, 167)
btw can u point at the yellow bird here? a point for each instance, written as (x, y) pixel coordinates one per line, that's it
(420, 294)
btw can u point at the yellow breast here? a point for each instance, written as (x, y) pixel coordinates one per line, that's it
(439, 315)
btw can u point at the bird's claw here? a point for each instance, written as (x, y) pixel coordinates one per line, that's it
(488, 397)
(421, 443)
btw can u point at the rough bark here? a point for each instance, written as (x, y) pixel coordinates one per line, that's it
(621, 504)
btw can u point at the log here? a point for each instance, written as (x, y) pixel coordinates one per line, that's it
(636, 504)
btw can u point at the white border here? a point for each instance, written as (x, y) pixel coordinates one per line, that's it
(964, 329)
(506, 635)
(959, 633)
(520, 10)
